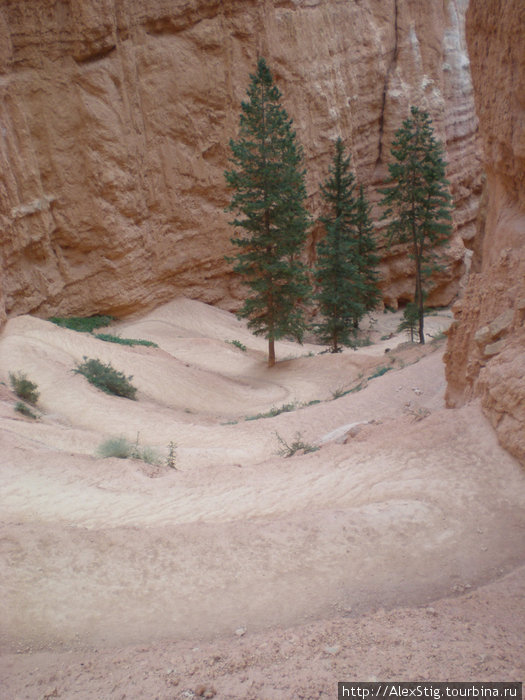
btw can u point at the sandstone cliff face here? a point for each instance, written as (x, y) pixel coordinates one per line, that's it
(116, 117)
(486, 349)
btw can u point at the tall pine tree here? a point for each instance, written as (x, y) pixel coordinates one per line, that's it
(345, 270)
(269, 192)
(416, 199)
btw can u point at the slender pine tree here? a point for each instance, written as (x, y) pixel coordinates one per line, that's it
(345, 274)
(416, 199)
(268, 198)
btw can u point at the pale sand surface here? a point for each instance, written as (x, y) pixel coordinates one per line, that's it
(395, 551)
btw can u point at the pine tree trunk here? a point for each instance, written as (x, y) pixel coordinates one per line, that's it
(271, 352)
(418, 297)
(419, 302)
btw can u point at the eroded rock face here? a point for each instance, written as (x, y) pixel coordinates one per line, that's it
(116, 117)
(486, 348)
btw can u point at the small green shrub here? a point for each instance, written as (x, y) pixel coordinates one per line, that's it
(25, 410)
(146, 454)
(356, 388)
(337, 393)
(23, 387)
(106, 378)
(115, 447)
(237, 344)
(297, 445)
(285, 408)
(82, 324)
(410, 320)
(379, 372)
(124, 341)
(121, 448)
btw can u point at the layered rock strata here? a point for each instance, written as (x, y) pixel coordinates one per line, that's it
(486, 348)
(116, 117)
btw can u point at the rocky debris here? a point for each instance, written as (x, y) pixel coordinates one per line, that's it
(487, 337)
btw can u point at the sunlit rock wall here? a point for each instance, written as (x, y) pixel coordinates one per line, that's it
(486, 348)
(116, 115)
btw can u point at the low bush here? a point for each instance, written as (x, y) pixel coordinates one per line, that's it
(115, 447)
(25, 410)
(82, 324)
(121, 448)
(106, 378)
(124, 341)
(23, 387)
(237, 344)
(285, 408)
(379, 372)
(410, 321)
(297, 445)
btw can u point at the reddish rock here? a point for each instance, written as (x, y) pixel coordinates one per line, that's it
(116, 118)
(486, 348)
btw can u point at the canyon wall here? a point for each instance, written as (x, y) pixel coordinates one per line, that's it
(116, 117)
(486, 347)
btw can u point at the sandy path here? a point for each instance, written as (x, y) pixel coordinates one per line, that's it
(115, 553)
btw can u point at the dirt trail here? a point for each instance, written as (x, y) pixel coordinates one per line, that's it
(404, 504)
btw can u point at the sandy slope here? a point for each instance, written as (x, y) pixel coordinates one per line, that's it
(405, 503)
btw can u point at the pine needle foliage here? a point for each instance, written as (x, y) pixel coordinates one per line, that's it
(106, 378)
(23, 387)
(271, 222)
(410, 322)
(346, 261)
(416, 200)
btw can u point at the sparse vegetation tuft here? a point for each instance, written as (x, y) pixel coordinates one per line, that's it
(297, 445)
(121, 448)
(106, 378)
(171, 459)
(285, 408)
(410, 321)
(109, 338)
(438, 337)
(23, 387)
(117, 447)
(25, 410)
(82, 324)
(340, 391)
(379, 372)
(237, 344)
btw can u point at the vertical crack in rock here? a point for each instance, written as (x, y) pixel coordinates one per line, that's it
(390, 69)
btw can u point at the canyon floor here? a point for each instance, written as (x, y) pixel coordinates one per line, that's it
(394, 551)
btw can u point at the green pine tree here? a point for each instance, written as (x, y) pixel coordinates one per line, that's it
(269, 192)
(347, 284)
(416, 199)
